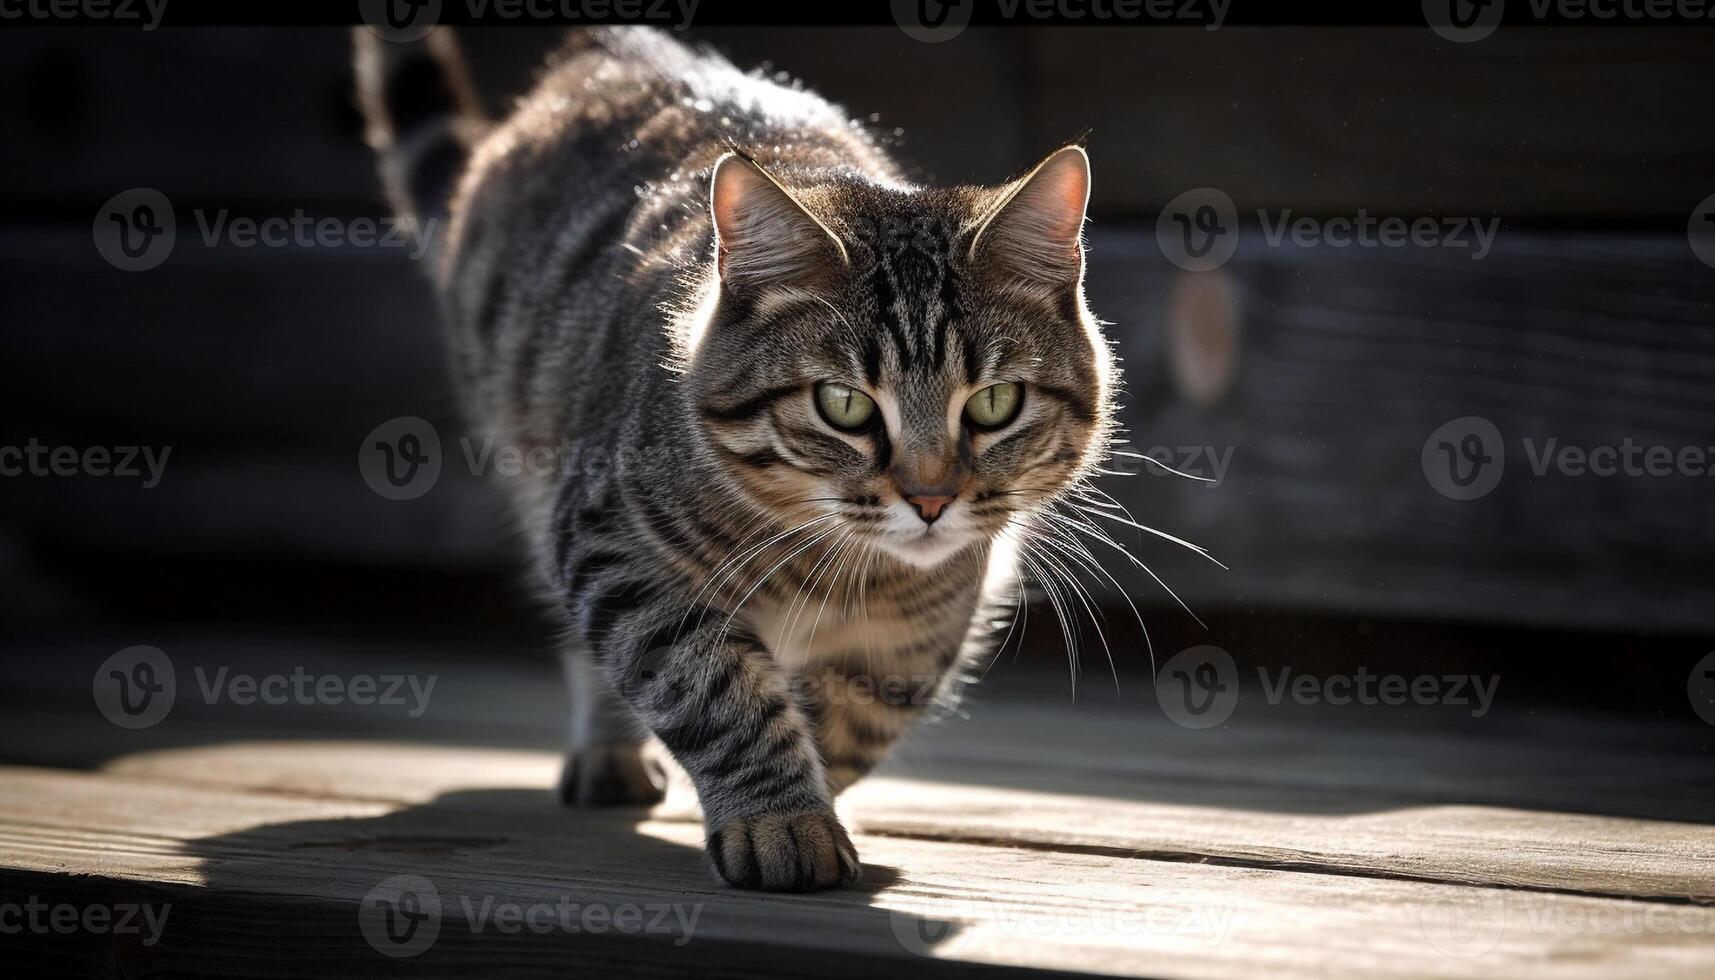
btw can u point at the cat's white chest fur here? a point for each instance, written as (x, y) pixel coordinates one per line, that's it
(858, 625)
(800, 636)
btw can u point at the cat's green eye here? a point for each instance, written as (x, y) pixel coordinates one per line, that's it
(844, 408)
(995, 405)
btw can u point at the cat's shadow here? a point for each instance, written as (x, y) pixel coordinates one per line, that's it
(506, 881)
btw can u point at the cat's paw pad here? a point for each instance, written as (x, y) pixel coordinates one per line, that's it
(611, 774)
(794, 852)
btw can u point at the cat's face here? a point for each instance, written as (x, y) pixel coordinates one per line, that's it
(909, 369)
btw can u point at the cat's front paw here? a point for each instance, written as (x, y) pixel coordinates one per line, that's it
(785, 852)
(611, 774)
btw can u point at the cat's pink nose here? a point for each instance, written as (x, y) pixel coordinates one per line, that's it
(929, 507)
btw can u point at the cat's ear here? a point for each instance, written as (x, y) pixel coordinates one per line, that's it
(764, 236)
(1035, 228)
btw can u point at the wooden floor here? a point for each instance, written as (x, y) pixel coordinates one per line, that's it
(1032, 834)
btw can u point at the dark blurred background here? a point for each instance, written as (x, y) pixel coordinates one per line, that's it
(1316, 373)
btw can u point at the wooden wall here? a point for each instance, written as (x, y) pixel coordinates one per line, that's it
(1590, 321)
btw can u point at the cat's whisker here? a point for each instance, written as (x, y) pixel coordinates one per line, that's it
(1097, 618)
(843, 563)
(795, 552)
(1199, 549)
(732, 565)
(1096, 533)
(1157, 462)
(1149, 644)
(863, 607)
(806, 588)
(1020, 622)
(1051, 589)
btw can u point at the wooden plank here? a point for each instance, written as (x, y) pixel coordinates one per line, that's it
(1395, 120)
(1281, 757)
(1350, 359)
(1491, 846)
(1392, 119)
(1265, 756)
(267, 884)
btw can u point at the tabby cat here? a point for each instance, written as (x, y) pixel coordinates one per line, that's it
(809, 403)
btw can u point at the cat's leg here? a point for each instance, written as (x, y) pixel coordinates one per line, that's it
(714, 697)
(862, 709)
(607, 762)
(859, 717)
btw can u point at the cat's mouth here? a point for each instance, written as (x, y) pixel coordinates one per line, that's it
(906, 536)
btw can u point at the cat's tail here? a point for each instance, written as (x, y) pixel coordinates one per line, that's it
(422, 117)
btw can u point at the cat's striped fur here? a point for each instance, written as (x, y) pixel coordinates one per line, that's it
(654, 260)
